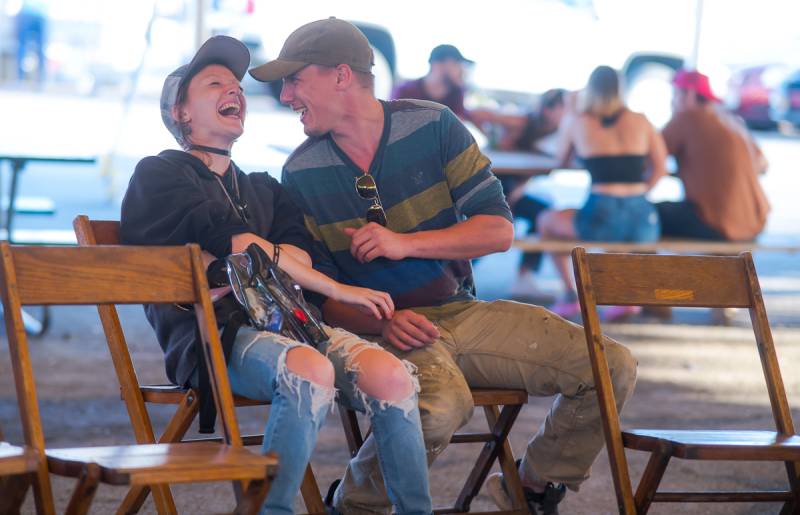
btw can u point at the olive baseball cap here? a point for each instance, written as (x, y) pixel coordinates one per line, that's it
(224, 50)
(329, 42)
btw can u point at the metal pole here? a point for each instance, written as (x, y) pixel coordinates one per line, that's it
(200, 23)
(691, 63)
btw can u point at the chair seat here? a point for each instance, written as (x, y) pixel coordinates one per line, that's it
(162, 463)
(15, 459)
(716, 445)
(498, 396)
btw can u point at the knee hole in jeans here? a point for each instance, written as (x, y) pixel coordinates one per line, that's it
(382, 376)
(310, 365)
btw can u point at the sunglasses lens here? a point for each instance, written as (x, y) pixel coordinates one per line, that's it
(366, 188)
(376, 214)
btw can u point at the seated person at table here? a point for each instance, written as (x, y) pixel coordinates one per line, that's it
(444, 82)
(199, 195)
(718, 163)
(625, 157)
(531, 132)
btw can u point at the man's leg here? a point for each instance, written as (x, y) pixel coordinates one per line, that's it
(445, 404)
(506, 344)
(529, 208)
(680, 219)
(375, 382)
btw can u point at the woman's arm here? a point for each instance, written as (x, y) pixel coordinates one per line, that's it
(565, 147)
(296, 252)
(379, 304)
(657, 157)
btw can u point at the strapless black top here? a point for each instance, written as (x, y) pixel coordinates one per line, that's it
(621, 168)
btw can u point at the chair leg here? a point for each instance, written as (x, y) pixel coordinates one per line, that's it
(251, 501)
(311, 494)
(176, 429)
(42, 490)
(509, 466)
(84, 491)
(500, 430)
(651, 477)
(793, 506)
(13, 490)
(352, 431)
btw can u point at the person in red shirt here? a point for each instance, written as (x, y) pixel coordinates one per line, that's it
(718, 164)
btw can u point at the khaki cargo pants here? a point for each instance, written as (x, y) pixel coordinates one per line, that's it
(502, 344)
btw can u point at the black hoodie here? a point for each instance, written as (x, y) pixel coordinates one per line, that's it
(175, 199)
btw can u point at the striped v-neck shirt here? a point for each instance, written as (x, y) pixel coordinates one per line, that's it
(430, 175)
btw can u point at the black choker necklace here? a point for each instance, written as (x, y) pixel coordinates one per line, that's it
(213, 150)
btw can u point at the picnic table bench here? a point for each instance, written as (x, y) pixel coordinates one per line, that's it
(671, 245)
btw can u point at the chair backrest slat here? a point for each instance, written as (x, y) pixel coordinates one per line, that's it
(106, 232)
(60, 275)
(648, 280)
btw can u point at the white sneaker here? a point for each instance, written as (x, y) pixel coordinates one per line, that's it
(497, 491)
(525, 289)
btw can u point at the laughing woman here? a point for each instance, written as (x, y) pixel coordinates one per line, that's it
(199, 195)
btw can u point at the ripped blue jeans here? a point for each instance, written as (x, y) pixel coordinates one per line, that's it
(396, 427)
(257, 370)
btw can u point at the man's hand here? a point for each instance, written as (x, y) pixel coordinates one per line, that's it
(408, 330)
(374, 241)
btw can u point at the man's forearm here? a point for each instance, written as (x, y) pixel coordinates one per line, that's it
(341, 315)
(475, 237)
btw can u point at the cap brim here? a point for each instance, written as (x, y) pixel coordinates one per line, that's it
(224, 50)
(276, 70)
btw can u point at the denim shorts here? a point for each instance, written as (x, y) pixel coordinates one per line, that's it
(612, 218)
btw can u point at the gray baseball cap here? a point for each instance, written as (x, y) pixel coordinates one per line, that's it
(223, 50)
(328, 42)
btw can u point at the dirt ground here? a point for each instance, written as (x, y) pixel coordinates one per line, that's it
(689, 376)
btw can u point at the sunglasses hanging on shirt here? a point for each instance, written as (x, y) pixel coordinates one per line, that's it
(368, 190)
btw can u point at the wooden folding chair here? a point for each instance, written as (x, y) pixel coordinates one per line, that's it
(495, 447)
(125, 275)
(106, 232)
(693, 281)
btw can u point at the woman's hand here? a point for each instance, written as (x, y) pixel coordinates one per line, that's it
(376, 303)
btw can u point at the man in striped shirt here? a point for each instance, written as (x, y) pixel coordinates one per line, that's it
(399, 198)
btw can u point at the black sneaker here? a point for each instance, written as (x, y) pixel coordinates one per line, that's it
(539, 503)
(329, 509)
(545, 503)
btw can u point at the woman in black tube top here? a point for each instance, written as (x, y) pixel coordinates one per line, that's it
(625, 157)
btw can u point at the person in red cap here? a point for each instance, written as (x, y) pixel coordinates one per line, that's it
(718, 163)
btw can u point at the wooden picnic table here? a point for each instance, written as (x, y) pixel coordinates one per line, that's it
(18, 162)
(523, 164)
